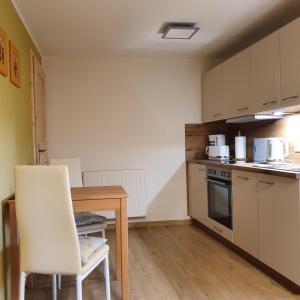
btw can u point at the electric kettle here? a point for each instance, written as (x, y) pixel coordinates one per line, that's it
(277, 150)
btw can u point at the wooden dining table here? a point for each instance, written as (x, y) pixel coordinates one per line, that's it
(84, 199)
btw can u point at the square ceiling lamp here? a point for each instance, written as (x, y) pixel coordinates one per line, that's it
(180, 31)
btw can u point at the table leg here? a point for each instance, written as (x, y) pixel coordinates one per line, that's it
(118, 244)
(124, 249)
(14, 254)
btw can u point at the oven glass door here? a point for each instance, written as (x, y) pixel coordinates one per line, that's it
(219, 201)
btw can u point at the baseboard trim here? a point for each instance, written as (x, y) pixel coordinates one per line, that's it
(155, 223)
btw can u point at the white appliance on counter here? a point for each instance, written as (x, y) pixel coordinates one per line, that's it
(260, 150)
(216, 140)
(272, 150)
(217, 150)
(277, 150)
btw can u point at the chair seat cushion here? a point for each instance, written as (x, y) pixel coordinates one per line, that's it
(95, 258)
(88, 245)
(88, 219)
(87, 229)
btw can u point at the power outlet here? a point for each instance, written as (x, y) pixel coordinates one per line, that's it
(297, 147)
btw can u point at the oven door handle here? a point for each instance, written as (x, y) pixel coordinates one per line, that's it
(217, 182)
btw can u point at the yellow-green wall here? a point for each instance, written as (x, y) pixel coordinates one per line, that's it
(15, 113)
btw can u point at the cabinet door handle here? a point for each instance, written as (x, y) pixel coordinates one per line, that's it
(243, 108)
(216, 182)
(270, 102)
(202, 170)
(243, 178)
(289, 98)
(266, 182)
(217, 115)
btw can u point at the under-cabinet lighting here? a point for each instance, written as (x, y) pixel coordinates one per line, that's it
(278, 113)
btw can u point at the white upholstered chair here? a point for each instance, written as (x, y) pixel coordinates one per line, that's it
(48, 247)
(74, 168)
(86, 223)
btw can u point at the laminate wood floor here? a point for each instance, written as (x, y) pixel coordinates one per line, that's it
(175, 263)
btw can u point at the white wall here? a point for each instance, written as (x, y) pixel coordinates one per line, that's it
(127, 113)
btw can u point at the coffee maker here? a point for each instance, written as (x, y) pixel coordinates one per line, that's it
(217, 149)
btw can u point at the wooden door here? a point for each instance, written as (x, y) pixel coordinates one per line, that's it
(236, 74)
(265, 74)
(38, 112)
(198, 206)
(279, 225)
(245, 211)
(213, 101)
(290, 63)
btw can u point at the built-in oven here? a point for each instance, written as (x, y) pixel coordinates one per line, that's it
(219, 195)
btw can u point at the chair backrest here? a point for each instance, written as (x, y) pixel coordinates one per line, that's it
(48, 238)
(74, 167)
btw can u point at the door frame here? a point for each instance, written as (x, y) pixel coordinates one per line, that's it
(33, 69)
(33, 118)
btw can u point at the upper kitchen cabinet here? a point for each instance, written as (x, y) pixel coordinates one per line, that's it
(290, 63)
(213, 100)
(236, 82)
(265, 74)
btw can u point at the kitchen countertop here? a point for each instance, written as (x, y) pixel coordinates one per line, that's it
(248, 167)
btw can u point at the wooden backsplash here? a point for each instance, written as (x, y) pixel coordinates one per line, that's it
(196, 135)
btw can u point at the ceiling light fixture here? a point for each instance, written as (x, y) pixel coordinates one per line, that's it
(179, 31)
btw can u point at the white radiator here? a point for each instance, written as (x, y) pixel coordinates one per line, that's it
(133, 181)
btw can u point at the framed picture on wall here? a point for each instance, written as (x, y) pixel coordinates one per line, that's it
(3, 52)
(14, 65)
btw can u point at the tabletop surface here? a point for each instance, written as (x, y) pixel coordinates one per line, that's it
(95, 193)
(98, 192)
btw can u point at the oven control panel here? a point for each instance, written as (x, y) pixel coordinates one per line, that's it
(219, 173)
(226, 174)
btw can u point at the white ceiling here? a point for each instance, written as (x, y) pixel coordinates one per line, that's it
(130, 27)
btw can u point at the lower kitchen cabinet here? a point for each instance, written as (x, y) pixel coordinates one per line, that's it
(197, 187)
(265, 215)
(245, 211)
(279, 225)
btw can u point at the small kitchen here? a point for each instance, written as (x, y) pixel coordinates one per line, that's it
(150, 151)
(243, 160)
